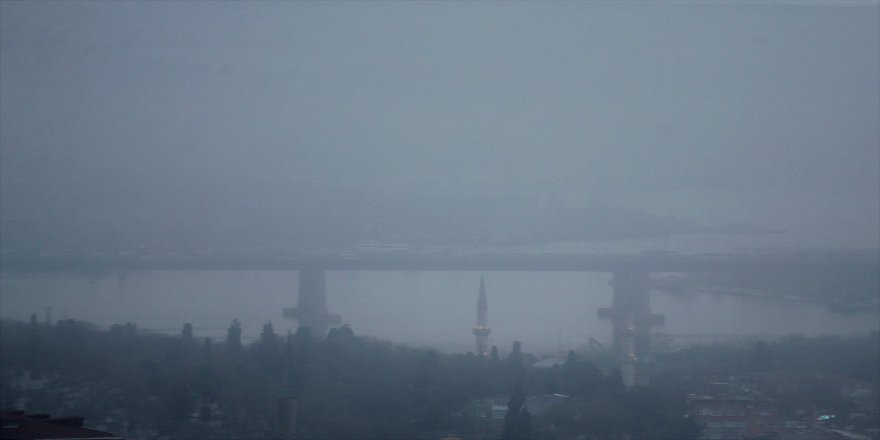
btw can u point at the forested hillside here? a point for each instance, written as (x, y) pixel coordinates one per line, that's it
(140, 384)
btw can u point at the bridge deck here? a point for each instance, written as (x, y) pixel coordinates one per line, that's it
(405, 262)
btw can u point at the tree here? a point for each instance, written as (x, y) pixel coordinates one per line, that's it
(494, 354)
(580, 378)
(130, 330)
(515, 354)
(525, 423)
(268, 335)
(153, 376)
(516, 363)
(208, 349)
(345, 331)
(187, 332)
(517, 421)
(178, 405)
(614, 385)
(33, 341)
(267, 349)
(602, 418)
(301, 344)
(233, 337)
(34, 330)
(427, 389)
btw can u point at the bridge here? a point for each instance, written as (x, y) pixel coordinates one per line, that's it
(714, 263)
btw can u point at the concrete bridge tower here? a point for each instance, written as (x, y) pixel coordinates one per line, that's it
(631, 321)
(481, 329)
(311, 307)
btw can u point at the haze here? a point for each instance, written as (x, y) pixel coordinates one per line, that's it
(133, 124)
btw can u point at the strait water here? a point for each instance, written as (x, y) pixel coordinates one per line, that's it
(547, 311)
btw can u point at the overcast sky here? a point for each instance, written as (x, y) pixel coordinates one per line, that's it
(748, 112)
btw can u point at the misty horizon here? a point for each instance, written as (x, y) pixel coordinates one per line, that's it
(131, 124)
(272, 219)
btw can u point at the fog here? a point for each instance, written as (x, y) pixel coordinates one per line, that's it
(673, 208)
(161, 127)
(548, 312)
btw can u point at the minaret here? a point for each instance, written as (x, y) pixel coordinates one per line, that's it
(482, 330)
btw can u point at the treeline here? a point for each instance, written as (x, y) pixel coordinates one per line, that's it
(856, 357)
(139, 384)
(145, 385)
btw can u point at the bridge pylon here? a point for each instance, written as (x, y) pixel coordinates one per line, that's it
(311, 306)
(631, 321)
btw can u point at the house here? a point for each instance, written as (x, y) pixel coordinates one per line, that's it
(740, 416)
(489, 408)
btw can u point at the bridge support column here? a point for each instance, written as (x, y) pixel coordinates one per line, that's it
(311, 306)
(631, 321)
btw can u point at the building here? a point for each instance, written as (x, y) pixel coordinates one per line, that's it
(489, 408)
(741, 417)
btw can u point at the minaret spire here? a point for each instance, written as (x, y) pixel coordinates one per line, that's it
(481, 329)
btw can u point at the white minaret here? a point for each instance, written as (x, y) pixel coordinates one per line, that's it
(482, 330)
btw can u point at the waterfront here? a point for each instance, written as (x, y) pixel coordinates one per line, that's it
(545, 310)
